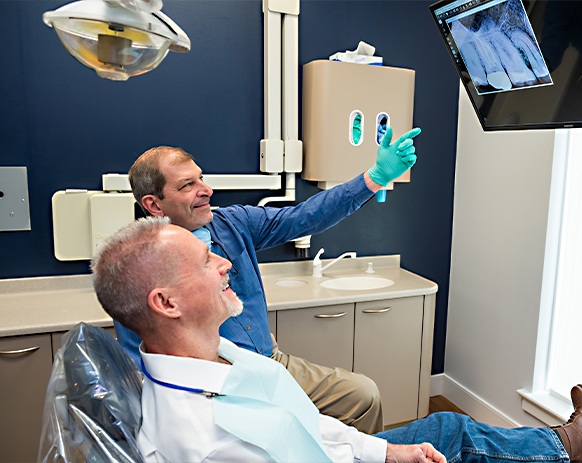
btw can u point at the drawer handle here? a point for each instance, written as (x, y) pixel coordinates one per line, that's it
(377, 310)
(19, 351)
(330, 315)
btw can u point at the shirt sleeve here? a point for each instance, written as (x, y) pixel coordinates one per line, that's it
(341, 440)
(271, 226)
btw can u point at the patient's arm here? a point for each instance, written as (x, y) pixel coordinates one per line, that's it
(420, 453)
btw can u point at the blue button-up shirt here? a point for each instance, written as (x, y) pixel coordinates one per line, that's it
(238, 232)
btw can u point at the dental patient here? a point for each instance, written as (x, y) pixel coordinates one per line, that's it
(206, 400)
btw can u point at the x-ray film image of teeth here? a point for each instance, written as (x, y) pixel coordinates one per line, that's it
(499, 49)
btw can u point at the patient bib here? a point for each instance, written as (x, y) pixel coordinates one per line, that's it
(264, 405)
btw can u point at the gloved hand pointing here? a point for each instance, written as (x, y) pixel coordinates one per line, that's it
(393, 159)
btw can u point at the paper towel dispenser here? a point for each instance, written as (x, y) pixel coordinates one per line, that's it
(339, 97)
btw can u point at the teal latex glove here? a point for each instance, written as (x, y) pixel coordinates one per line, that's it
(357, 129)
(393, 159)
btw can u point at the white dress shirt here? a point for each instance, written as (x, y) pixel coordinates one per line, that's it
(178, 426)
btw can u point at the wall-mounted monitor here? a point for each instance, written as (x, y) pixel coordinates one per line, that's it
(520, 61)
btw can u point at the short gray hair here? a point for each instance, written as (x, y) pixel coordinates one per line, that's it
(126, 267)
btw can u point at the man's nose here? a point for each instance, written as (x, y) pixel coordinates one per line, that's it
(206, 190)
(224, 265)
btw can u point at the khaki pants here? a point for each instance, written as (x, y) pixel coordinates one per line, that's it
(352, 398)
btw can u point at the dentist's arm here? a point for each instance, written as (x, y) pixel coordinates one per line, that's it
(392, 160)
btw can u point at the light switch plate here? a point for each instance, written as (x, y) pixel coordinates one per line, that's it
(14, 206)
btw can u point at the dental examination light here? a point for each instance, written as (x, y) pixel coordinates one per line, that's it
(119, 39)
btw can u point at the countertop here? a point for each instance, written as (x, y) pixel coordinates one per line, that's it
(306, 290)
(52, 304)
(48, 304)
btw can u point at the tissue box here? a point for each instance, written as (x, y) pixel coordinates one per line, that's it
(354, 58)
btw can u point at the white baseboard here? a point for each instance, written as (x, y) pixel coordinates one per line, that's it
(470, 403)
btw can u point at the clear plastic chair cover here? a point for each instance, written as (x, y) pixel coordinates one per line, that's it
(93, 403)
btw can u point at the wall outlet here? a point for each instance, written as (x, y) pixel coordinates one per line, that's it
(14, 207)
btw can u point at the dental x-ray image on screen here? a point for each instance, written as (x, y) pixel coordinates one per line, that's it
(519, 60)
(498, 46)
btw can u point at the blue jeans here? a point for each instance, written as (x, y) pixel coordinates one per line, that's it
(460, 439)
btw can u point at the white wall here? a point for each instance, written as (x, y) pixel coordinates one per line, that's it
(502, 191)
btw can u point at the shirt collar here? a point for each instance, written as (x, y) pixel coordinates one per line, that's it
(185, 371)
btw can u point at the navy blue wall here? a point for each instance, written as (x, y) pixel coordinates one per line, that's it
(67, 126)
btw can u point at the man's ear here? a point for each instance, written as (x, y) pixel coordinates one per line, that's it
(150, 204)
(163, 304)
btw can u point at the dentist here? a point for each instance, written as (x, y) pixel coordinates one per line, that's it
(166, 182)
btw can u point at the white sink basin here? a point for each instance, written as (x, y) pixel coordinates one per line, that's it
(357, 283)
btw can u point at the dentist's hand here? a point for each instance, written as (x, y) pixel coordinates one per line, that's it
(393, 159)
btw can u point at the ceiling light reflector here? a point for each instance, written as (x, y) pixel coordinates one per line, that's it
(116, 42)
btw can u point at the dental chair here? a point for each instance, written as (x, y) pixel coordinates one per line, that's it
(92, 408)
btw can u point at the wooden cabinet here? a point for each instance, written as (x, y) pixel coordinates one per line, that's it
(323, 335)
(272, 317)
(389, 341)
(25, 368)
(387, 349)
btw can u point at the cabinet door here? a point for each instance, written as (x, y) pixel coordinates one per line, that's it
(322, 335)
(25, 369)
(387, 348)
(272, 316)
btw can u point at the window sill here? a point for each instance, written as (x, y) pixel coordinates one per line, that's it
(545, 407)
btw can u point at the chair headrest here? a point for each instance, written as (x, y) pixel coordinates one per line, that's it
(93, 402)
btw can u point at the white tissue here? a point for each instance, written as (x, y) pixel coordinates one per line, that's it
(364, 49)
(364, 54)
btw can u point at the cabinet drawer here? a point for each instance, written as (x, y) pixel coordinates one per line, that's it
(24, 379)
(387, 348)
(323, 335)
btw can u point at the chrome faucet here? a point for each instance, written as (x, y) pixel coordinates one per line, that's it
(317, 265)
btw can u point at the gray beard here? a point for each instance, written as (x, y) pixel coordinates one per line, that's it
(234, 307)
